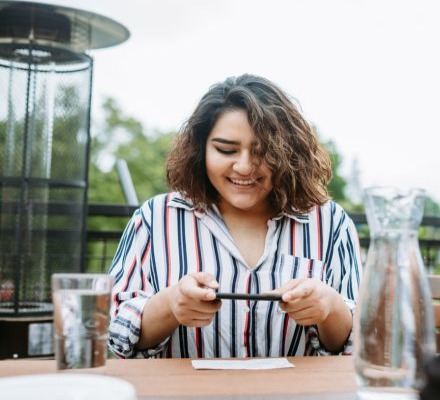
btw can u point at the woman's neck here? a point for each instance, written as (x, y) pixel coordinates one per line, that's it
(246, 218)
(248, 230)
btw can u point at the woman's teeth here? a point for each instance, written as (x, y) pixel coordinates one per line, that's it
(242, 182)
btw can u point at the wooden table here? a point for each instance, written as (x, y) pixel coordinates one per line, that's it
(317, 378)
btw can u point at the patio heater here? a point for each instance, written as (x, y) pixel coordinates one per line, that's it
(45, 99)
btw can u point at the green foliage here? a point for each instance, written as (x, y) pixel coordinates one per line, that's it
(145, 156)
(337, 184)
(431, 207)
(104, 187)
(122, 137)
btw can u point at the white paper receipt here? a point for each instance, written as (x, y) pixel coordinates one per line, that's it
(253, 363)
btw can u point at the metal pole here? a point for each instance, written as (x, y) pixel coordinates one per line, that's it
(126, 183)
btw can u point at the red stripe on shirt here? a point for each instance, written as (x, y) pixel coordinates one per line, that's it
(137, 225)
(147, 252)
(127, 282)
(292, 236)
(130, 271)
(167, 239)
(167, 252)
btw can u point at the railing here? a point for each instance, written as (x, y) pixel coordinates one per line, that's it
(102, 243)
(429, 239)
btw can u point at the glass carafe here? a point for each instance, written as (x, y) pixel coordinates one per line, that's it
(394, 330)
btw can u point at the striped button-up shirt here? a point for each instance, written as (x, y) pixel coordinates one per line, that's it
(168, 238)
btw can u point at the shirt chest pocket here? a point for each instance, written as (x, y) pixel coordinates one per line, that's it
(292, 267)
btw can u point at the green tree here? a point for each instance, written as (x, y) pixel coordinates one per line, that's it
(144, 153)
(122, 137)
(432, 207)
(338, 183)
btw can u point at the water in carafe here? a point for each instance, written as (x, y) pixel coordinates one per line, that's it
(394, 331)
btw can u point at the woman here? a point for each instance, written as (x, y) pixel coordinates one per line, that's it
(250, 214)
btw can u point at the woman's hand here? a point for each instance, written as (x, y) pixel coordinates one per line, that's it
(191, 302)
(192, 299)
(308, 301)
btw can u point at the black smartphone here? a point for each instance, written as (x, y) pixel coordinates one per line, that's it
(248, 296)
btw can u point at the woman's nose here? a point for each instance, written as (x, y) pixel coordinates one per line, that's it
(244, 165)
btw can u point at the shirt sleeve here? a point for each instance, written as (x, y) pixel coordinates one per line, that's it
(343, 273)
(132, 289)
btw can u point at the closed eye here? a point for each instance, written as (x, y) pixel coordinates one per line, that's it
(224, 151)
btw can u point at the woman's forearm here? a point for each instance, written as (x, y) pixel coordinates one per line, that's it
(334, 331)
(158, 321)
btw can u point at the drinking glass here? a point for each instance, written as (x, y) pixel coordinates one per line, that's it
(81, 317)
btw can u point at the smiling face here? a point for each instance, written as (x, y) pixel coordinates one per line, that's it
(242, 182)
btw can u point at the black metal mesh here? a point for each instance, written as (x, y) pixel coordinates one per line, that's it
(44, 141)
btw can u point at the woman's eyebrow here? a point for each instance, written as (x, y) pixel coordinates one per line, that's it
(225, 141)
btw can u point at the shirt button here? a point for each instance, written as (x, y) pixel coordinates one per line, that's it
(246, 309)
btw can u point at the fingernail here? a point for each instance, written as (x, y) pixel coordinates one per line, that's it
(280, 310)
(210, 295)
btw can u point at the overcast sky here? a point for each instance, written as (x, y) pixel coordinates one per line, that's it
(366, 72)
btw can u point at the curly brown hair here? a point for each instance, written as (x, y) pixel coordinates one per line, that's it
(300, 166)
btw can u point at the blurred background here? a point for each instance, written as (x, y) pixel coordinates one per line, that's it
(366, 73)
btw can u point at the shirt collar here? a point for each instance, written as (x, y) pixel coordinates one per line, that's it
(178, 201)
(298, 217)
